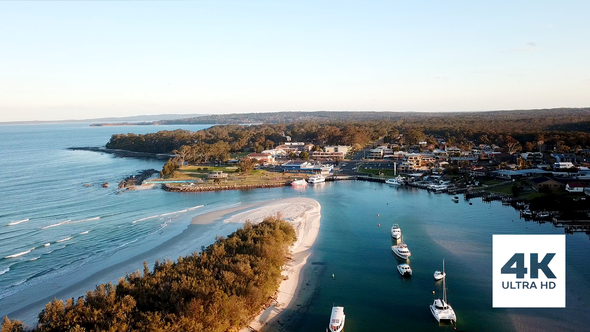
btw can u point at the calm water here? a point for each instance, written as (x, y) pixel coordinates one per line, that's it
(43, 182)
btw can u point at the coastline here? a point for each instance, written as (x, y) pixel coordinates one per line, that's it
(304, 215)
(201, 232)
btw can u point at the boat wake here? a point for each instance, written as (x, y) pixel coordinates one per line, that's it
(58, 224)
(17, 222)
(20, 254)
(167, 214)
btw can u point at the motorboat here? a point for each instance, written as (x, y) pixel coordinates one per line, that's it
(438, 275)
(401, 250)
(299, 182)
(440, 309)
(396, 232)
(337, 319)
(543, 215)
(316, 179)
(456, 199)
(405, 270)
(398, 181)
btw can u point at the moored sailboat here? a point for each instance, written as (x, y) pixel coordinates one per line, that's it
(440, 309)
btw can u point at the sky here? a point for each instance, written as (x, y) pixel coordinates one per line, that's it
(91, 59)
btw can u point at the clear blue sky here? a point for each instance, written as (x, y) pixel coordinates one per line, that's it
(89, 59)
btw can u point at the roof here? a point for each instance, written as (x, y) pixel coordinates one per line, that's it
(543, 179)
(577, 185)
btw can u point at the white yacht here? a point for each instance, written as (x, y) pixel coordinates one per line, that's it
(299, 182)
(316, 179)
(337, 319)
(405, 270)
(440, 309)
(398, 181)
(396, 232)
(401, 250)
(438, 275)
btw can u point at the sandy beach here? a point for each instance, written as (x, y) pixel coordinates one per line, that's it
(303, 213)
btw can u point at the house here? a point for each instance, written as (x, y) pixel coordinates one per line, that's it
(545, 182)
(533, 157)
(375, 154)
(334, 155)
(576, 187)
(564, 157)
(217, 175)
(337, 148)
(263, 158)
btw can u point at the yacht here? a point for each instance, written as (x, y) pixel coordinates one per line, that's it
(398, 181)
(438, 275)
(405, 270)
(401, 250)
(440, 309)
(337, 319)
(299, 182)
(316, 179)
(396, 232)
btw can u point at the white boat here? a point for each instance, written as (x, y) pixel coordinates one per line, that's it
(440, 309)
(405, 270)
(401, 250)
(316, 179)
(337, 319)
(456, 199)
(299, 182)
(398, 181)
(438, 275)
(396, 232)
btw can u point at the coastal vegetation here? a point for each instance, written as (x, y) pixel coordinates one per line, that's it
(561, 130)
(219, 289)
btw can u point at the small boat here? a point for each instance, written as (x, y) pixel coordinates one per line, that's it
(543, 215)
(405, 270)
(456, 199)
(438, 275)
(396, 232)
(299, 182)
(398, 181)
(440, 309)
(337, 319)
(527, 213)
(316, 179)
(401, 250)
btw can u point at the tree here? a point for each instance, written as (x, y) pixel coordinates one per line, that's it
(11, 326)
(304, 155)
(170, 166)
(246, 165)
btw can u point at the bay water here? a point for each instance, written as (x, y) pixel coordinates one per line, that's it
(89, 228)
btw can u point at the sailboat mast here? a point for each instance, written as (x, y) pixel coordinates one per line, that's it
(444, 285)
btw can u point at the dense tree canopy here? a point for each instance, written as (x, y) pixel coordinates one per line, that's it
(219, 289)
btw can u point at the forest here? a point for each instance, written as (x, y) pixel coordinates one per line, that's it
(219, 289)
(562, 130)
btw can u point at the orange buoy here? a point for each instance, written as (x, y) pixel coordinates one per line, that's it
(377, 215)
(379, 225)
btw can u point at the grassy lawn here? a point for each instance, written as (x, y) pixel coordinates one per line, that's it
(256, 177)
(491, 182)
(384, 172)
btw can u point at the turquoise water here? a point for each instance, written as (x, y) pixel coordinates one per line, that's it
(43, 182)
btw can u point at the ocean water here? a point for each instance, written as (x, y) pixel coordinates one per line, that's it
(90, 229)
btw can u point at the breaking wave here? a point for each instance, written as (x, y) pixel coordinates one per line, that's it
(4, 271)
(58, 224)
(86, 232)
(17, 222)
(20, 253)
(90, 219)
(64, 240)
(167, 214)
